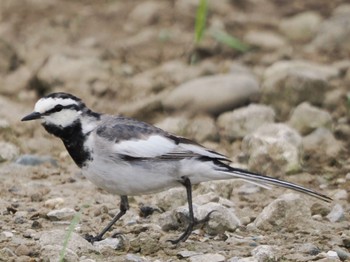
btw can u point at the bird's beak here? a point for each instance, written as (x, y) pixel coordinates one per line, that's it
(31, 116)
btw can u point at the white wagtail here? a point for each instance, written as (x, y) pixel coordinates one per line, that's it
(127, 157)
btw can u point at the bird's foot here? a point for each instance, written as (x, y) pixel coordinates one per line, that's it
(92, 238)
(190, 227)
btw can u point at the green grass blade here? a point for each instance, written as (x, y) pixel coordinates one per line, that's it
(233, 42)
(201, 19)
(70, 230)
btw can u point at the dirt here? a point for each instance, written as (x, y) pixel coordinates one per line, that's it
(37, 29)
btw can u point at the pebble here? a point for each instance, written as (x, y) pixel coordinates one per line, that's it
(52, 253)
(306, 118)
(134, 258)
(200, 96)
(321, 145)
(342, 254)
(336, 214)
(207, 257)
(7, 234)
(264, 40)
(33, 160)
(265, 253)
(145, 13)
(54, 202)
(56, 237)
(332, 254)
(108, 243)
(61, 214)
(301, 27)
(288, 211)
(243, 121)
(171, 198)
(273, 149)
(288, 83)
(341, 194)
(8, 151)
(22, 250)
(334, 33)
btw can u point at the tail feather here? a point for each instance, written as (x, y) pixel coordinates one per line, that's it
(263, 180)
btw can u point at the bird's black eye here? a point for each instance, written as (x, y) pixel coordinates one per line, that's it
(58, 108)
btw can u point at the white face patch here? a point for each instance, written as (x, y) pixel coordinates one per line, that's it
(45, 104)
(63, 118)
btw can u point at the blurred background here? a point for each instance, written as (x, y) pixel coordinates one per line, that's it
(265, 82)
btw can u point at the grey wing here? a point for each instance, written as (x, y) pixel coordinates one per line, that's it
(141, 141)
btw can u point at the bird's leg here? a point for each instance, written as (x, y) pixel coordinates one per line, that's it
(192, 220)
(124, 206)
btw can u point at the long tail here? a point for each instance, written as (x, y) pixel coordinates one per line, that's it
(263, 180)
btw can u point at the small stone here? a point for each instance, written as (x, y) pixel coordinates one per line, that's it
(306, 118)
(186, 254)
(321, 145)
(61, 214)
(341, 194)
(8, 151)
(171, 198)
(264, 39)
(309, 248)
(7, 234)
(108, 243)
(243, 121)
(288, 211)
(265, 253)
(134, 258)
(336, 214)
(207, 257)
(199, 96)
(52, 253)
(145, 13)
(301, 27)
(273, 149)
(54, 202)
(22, 250)
(33, 160)
(332, 254)
(342, 254)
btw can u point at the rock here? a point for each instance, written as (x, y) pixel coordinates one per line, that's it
(321, 145)
(243, 121)
(301, 27)
(22, 250)
(108, 243)
(33, 160)
(201, 128)
(134, 258)
(186, 254)
(8, 151)
(306, 118)
(61, 69)
(9, 60)
(265, 253)
(213, 94)
(56, 238)
(54, 202)
(332, 254)
(6, 234)
(172, 198)
(61, 214)
(264, 40)
(341, 194)
(334, 33)
(273, 149)
(52, 253)
(336, 214)
(289, 83)
(287, 212)
(145, 13)
(342, 254)
(16, 81)
(207, 257)
(309, 248)
(221, 220)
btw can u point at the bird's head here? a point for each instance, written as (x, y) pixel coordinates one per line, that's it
(57, 109)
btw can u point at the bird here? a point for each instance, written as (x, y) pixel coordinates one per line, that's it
(127, 157)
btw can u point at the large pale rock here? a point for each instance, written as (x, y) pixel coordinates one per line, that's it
(334, 33)
(306, 118)
(288, 83)
(288, 211)
(245, 120)
(301, 27)
(264, 40)
(213, 94)
(273, 149)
